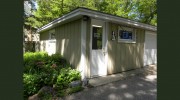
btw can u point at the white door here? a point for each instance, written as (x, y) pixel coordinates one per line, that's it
(98, 48)
(150, 48)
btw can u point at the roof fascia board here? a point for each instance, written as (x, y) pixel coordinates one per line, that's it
(91, 13)
(117, 19)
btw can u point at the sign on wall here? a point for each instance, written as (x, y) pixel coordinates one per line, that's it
(126, 36)
(113, 36)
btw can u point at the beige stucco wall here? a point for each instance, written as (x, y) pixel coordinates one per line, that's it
(44, 35)
(125, 56)
(88, 46)
(68, 41)
(121, 56)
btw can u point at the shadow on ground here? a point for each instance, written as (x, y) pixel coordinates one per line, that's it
(139, 87)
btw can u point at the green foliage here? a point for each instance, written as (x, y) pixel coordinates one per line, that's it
(30, 84)
(45, 96)
(66, 76)
(40, 61)
(48, 78)
(32, 21)
(31, 57)
(29, 19)
(74, 75)
(33, 62)
(146, 11)
(58, 60)
(40, 70)
(140, 10)
(62, 79)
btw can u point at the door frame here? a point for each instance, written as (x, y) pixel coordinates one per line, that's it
(104, 40)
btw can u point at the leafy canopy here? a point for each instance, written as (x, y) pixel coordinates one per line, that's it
(140, 10)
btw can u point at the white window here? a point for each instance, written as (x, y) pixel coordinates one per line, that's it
(127, 36)
(52, 35)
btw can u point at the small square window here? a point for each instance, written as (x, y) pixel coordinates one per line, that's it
(126, 36)
(52, 35)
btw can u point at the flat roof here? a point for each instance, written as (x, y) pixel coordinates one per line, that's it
(81, 11)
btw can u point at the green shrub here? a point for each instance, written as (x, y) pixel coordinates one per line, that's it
(34, 61)
(30, 84)
(48, 78)
(62, 79)
(33, 82)
(34, 56)
(58, 60)
(56, 57)
(74, 75)
(66, 76)
(40, 70)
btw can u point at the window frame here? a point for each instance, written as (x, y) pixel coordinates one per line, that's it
(93, 45)
(50, 34)
(133, 40)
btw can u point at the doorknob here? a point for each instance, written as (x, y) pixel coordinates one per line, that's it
(104, 51)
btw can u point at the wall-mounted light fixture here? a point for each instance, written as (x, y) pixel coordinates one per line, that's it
(85, 18)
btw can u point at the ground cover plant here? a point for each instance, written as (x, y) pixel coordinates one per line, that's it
(53, 73)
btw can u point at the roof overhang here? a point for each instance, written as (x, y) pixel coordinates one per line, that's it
(78, 13)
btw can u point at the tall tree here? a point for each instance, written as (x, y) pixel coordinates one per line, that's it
(140, 10)
(147, 10)
(30, 24)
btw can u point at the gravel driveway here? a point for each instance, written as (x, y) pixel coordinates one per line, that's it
(139, 87)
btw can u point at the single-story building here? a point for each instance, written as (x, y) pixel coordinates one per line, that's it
(98, 43)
